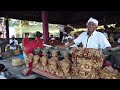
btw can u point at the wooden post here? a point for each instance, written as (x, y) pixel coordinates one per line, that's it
(45, 27)
(7, 30)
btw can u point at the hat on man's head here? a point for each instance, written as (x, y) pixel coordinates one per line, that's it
(70, 37)
(93, 20)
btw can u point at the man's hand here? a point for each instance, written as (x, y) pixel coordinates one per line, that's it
(62, 47)
(108, 48)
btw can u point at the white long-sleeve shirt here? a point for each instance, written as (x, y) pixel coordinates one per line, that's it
(97, 40)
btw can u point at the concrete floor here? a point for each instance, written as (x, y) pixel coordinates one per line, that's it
(16, 71)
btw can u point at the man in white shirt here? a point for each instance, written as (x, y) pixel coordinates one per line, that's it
(69, 39)
(13, 43)
(92, 38)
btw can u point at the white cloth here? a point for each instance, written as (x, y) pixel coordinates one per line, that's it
(41, 37)
(64, 38)
(21, 45)
(93, 20)
(97, 40)
(61, 28)
(118, 40)
(15, 43)
(53, 38)
(2, 75)
(70, 37)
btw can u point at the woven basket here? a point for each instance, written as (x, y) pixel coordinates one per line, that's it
(17, 62)
(17, 52)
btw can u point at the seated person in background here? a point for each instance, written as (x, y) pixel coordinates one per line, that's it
(13, 43)
(111, 38)
(51, 36)
(53, 41)
(118, 41)
(65, 37)
(104, 32)
(69, 39)
(75, 36)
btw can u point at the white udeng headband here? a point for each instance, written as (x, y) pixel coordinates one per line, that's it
(92, 20)
(70, 37)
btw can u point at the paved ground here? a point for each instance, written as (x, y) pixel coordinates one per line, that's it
(16, 71)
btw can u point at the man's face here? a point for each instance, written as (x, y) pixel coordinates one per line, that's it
(91, 26)
(13, 38)
(69, 39)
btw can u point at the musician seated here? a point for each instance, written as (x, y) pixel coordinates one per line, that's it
(13, 43)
